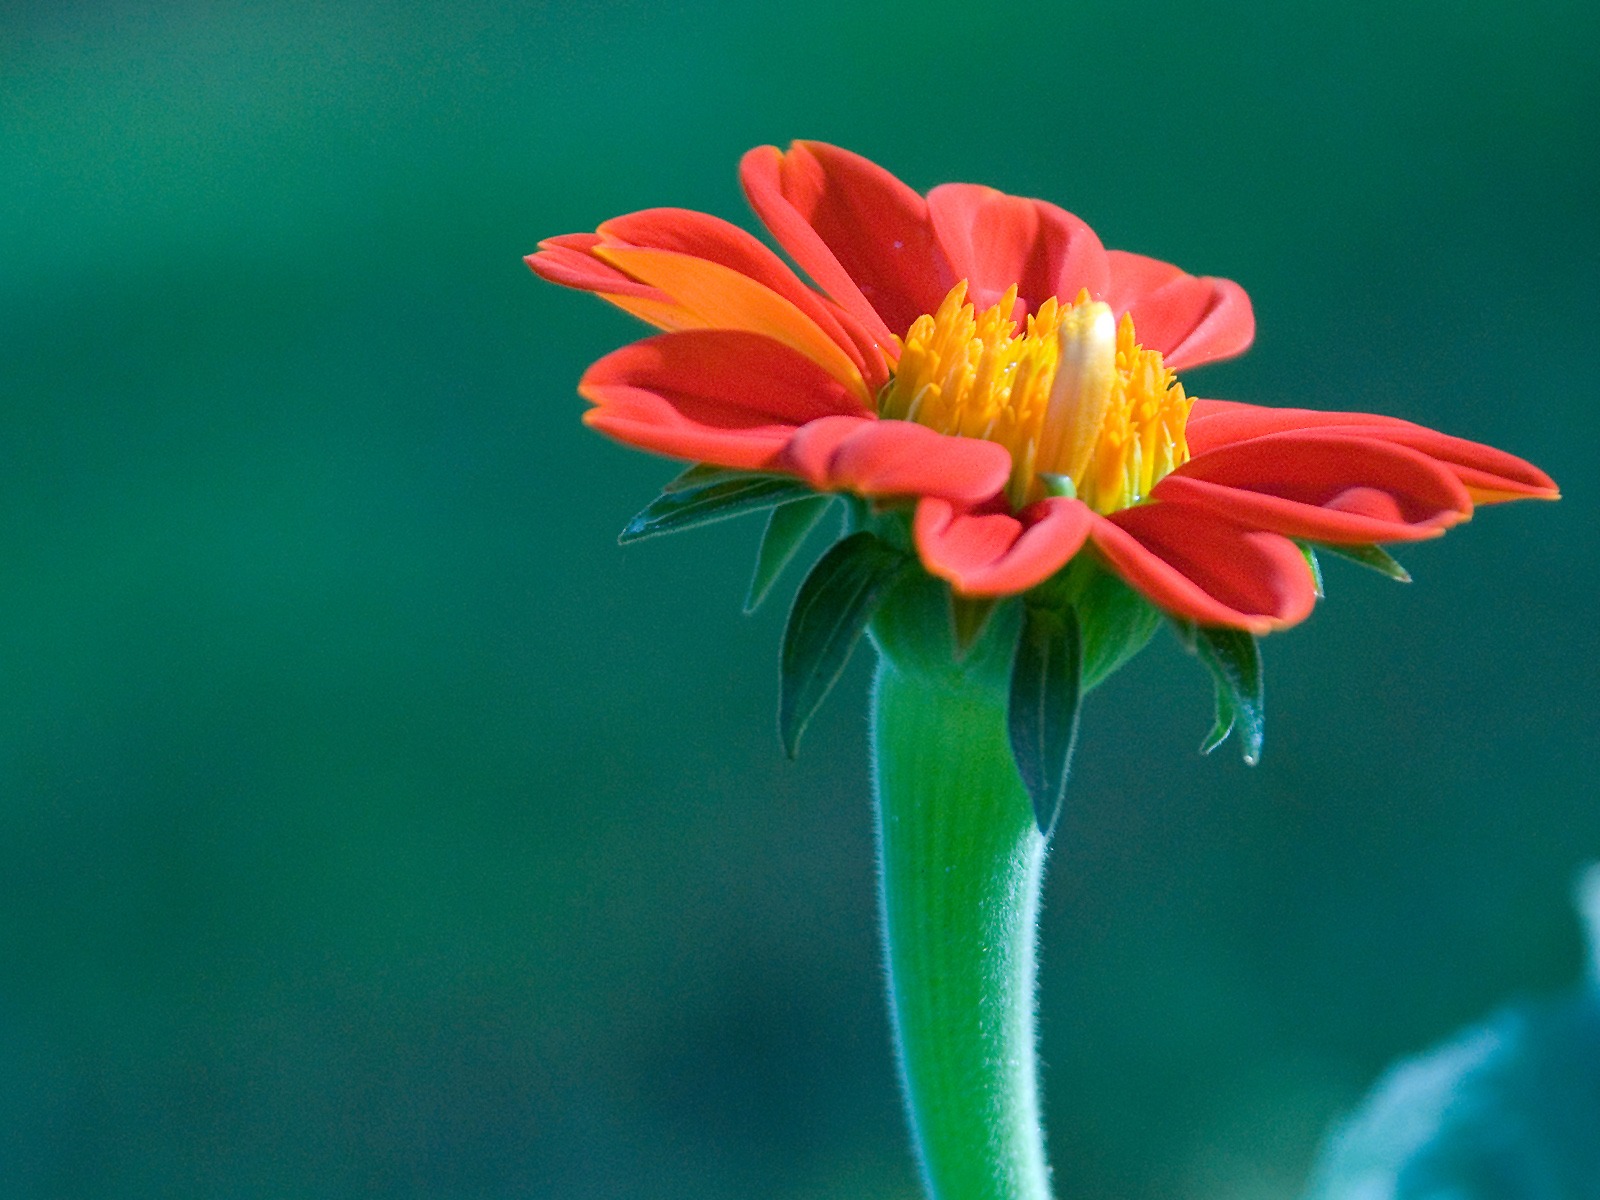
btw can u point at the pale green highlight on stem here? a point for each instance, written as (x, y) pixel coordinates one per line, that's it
(961, 861)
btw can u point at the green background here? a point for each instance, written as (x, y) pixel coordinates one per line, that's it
(372, 825)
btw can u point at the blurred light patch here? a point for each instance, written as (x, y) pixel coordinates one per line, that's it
(1508, 1110)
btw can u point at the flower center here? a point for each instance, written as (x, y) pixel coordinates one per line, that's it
(1082, 407)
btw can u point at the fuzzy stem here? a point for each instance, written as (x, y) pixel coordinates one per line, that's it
(961, 862)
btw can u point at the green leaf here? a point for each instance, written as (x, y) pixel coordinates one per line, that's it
(1234, 659)
(687, 505)
(1374, 557)
(830, 612)
(787, 528)
(1042, 711)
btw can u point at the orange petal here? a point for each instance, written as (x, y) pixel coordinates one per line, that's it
(701, 235)
(568, 260)
(707, 295)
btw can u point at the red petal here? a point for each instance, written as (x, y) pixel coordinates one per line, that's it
(719, 396)
(854, 228)
(896, 458)
(1214, 423)
(1133, 276)
(1203, 568)
(877, 361)
(1323, 486)
(995, 241)
(1189, 320)
(1489, 475)
(655, 423)
(997, 554)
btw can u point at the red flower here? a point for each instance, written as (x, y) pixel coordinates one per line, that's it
(984, 356)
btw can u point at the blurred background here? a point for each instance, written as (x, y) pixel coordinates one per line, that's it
(372, 825)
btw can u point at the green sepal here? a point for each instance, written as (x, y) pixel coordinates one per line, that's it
(1059, 485)
(1042, 708)
(1114, 622)
(686, 502)
(969, 617)
(703, 475)
(1222, 724)
(830, 612)
(1234, 659)
(1374, 557)
(1310, 553)
(787, 527)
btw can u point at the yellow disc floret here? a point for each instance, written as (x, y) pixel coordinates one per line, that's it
(1082, 407)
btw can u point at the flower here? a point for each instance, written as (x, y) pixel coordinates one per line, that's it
(984, 358)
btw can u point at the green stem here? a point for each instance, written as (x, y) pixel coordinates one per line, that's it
(961, 862)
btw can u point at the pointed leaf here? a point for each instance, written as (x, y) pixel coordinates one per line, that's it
(1042, 712)
(1374, 557)
(690, 506)
(1310, 553)
(1234, 659)
(830, 612)
(786, 530)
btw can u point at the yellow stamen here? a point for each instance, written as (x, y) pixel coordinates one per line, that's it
(1074, 396)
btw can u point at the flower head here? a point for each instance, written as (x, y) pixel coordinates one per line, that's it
(984, 360)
